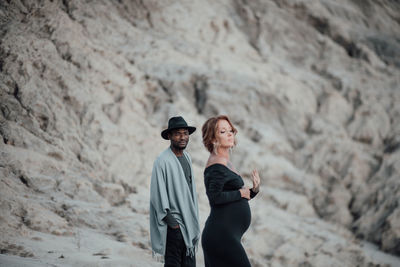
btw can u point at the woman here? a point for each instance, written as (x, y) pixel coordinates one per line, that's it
(230, 212)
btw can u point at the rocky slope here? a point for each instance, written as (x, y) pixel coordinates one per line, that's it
(87, 86)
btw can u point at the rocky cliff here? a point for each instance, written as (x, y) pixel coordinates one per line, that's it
(87, 86)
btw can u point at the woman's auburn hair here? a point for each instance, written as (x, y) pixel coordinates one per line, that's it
(209, 131)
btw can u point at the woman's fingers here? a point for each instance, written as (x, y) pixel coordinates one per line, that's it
(255, 178)
(245, 192)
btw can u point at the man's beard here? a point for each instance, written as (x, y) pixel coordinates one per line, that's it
(177, 146)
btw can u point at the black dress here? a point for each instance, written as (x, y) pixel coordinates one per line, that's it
(229, 218)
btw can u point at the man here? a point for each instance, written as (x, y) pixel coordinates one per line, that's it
(174, 215)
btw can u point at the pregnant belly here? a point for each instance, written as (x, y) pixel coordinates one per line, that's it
(234, 217)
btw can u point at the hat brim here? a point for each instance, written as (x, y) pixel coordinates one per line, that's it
(164, 134)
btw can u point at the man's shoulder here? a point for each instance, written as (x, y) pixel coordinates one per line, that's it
(163, 157)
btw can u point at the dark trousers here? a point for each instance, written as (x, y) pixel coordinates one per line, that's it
(175, 252)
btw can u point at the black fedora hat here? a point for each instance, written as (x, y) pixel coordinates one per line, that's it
(176, 123)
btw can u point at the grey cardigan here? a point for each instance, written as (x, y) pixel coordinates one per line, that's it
(169, 190)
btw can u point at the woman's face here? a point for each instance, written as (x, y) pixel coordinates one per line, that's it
(225, 135)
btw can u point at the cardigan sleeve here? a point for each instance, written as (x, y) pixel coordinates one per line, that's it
(159, 201)
(214, 181)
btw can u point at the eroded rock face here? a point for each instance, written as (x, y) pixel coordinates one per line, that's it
(312, 86)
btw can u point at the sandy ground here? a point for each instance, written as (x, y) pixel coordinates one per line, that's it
(90, 249)
(95, 250)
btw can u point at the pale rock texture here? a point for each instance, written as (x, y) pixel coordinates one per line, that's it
(87, 86)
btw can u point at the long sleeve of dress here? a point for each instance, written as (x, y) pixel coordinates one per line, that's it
(215, 181)
(252, 193)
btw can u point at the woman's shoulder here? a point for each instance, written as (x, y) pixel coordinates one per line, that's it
(216, 167)
(215, 161)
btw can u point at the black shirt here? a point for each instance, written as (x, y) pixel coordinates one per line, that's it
(187, 171)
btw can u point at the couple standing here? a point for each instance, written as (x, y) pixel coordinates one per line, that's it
(174, 216)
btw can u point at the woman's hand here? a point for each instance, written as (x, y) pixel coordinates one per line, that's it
(245, 192)
(255, 177)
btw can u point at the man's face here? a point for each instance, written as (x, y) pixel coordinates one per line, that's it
(179, 138)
